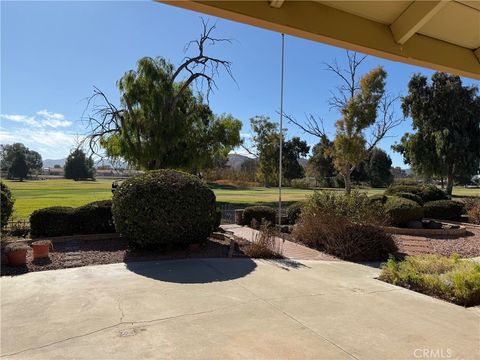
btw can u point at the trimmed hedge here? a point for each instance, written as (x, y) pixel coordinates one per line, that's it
(432, 193)
(444, 209)
(164, 209)
(258, 213)
(6, 203)
(53, 221)
(95, 218)
(426, 192)
(411, 196)
(92, 218)
(401, 210)
(294, 211)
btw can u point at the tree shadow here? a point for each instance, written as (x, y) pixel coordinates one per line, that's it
(193, 271)
(287, 264)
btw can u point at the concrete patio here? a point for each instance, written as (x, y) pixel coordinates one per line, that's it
(228, 309)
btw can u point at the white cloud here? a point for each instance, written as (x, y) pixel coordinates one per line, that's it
(52, 144)
(29, 120)
(43, 119)
(54, 120)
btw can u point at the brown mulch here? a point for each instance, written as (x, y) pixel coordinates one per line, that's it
(77, 253)
(467, 246)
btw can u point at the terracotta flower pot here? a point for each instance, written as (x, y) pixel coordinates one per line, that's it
(41, 249)
(17, 257)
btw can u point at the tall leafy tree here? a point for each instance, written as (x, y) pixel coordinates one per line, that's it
(446, 120)
(18, 168)
(8, 153)
(78, 166)
(378, 168)
(161, 122)
(320, 164)
(266, 140)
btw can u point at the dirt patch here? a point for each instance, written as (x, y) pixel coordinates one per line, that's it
(77, 253)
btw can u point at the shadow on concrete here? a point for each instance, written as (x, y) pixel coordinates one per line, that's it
(193, 271)
(287, 264)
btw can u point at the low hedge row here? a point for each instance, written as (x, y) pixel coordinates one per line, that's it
(92, 218)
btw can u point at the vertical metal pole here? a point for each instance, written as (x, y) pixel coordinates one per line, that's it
(281, 137)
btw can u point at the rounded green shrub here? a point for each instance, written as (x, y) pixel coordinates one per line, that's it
(259, 214)
(6, 203)
(164, 208)
(432, 193)
(401, 210)
(444, 209)
(53, 221)
(294, 211)
(411, 196)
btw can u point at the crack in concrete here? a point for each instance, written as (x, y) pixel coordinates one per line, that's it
(119, 304)
(106, 328)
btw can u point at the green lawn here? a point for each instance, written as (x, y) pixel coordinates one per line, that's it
(32, 195)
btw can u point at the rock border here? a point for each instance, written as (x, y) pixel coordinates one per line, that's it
(461, 231)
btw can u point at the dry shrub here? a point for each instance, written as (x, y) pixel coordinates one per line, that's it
(346, 226)
(472, 205)
(263, 244)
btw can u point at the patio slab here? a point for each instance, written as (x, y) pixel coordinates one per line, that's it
(228, 309)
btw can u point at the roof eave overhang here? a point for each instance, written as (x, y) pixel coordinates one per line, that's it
(318, 22)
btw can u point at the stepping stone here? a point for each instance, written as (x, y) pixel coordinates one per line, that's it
(69, 264)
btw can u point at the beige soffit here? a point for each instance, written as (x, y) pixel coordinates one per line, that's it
(441, 35)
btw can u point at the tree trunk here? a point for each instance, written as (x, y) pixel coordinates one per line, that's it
(441, 182)
(348, 181)
(450, 172)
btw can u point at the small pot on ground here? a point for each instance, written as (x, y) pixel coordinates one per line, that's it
(41, 249)
(16, 253)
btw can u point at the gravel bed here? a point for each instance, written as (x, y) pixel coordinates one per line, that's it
(466, 247)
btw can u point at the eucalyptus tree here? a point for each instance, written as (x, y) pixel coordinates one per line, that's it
(446, 119)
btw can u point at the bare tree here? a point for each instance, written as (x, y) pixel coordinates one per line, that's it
(350, 84)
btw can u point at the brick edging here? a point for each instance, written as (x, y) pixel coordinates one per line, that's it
(426, 232)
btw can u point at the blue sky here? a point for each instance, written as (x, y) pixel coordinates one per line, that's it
(53, 53)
